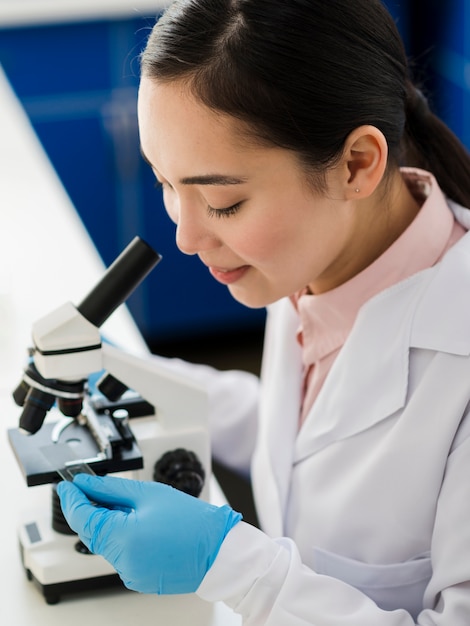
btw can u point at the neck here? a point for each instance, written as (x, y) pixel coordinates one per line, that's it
(380, 219)
(395, 207)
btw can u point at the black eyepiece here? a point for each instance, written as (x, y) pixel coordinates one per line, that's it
(119, 281)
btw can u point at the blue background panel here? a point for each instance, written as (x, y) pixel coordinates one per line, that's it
(452, 66)
(78, 84)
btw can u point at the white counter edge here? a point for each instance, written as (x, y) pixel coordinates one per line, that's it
(14, 13)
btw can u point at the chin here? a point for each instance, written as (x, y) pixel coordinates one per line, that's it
(251, 300)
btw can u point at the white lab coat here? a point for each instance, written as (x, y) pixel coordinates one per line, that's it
(366, 509)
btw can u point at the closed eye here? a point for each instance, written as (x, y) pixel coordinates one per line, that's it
(226, 212)
(212, 212)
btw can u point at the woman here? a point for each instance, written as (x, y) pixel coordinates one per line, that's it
(302, 166)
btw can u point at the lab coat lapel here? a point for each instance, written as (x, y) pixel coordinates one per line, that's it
(279, 410)
(412, 314)
(355, 397)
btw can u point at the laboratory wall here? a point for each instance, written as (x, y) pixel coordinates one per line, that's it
(78, 83)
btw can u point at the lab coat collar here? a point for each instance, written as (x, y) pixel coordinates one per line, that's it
(430, 310)
(446, 304)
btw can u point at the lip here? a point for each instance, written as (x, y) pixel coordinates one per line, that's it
(228, 277)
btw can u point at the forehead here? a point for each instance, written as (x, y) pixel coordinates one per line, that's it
(170, 116)
(182, 138)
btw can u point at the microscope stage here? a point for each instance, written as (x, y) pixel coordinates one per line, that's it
(36, 468)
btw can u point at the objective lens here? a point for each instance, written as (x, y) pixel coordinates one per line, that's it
(36, 405)
(111, 387)
(71, 407)
(20, 393)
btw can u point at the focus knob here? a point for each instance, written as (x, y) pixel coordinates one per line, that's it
(181, 469)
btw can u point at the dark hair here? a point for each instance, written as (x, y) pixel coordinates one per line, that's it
(303, 74)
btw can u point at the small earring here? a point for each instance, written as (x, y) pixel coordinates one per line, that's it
(357, 190)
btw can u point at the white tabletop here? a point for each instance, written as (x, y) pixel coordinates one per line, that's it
(31, 12)
(47, 258)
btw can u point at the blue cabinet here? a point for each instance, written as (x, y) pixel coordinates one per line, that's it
(78, 83)
(452, 68)
(400, 12)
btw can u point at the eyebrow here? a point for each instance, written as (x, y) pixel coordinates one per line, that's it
(205, 179)
(212, 179)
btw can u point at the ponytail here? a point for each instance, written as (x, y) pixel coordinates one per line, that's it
(430, 145)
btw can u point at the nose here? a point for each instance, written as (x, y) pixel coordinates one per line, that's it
(193, 233)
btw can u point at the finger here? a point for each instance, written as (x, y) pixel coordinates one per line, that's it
(85, 518)
(77, 509)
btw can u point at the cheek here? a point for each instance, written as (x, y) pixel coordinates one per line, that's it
(262, 243)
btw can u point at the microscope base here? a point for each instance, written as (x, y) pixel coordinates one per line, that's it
(52, 562)
(53, 593)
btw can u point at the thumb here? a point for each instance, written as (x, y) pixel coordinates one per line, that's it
(110, 491)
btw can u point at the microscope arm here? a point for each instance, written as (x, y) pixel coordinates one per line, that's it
(68, 347)
(169, 393)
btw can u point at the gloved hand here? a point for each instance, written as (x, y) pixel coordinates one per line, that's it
(158, 539)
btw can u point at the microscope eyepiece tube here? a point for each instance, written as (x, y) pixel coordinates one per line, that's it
(121, 278)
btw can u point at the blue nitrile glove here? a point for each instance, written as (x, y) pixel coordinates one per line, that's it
(158, 539)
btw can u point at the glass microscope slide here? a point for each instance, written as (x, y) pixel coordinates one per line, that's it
(62, 458)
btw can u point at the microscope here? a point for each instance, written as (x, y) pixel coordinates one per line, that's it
(88, 406)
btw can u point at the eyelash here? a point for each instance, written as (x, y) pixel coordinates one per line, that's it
(218, 213)
(227, 212)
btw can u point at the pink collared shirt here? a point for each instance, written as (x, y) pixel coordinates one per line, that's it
(327, 319)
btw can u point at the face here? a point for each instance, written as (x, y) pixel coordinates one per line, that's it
(246, 210)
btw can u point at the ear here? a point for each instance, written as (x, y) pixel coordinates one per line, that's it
(364, 161)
